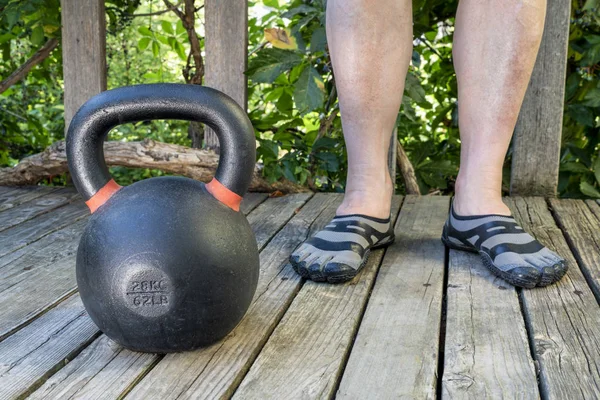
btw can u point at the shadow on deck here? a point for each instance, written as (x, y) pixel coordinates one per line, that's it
(418, 322)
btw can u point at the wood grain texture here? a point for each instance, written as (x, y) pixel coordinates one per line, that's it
(306, 353)
(16, 196)
(536, 142)
(28, 232)
(272, 215)
(396, 350)
(84, 52)
(101, 371)
(38, 277)
(215, 372)
(226, 43)
(251, 201)
(105, 369)
(36, 351)
(562, 318)
(38, 206)
(486, 352)
(582, 230)
(594, 207)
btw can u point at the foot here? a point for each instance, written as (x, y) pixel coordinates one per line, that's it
(338, 252)
(507, 250)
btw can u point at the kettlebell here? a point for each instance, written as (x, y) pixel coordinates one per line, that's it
(166, 264)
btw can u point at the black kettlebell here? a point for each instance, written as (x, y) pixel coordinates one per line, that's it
(165, 264)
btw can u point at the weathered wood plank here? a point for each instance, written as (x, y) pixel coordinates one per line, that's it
(594, 207)
(226, 41)
(536, 142)
(38, 277)
(396, 350)
(105, 370)
(562, 318)
(86, 376)
(5, 189)
(30, 231)
(33, 353)
(22, 195)
(582, 230)
(486, 353)
(251, 201)
(41, 205)
(306, 353)
(215, 372)
(84, 52)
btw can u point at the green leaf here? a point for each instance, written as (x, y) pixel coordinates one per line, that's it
(143, 43)
(37, 35)
(318, 40)
(590, 5)
(414, 90)
(145, 31)
(575, 167)
(309, 91)
(271, 3)
(270, 63)
(6, 37)
(179, 29)
(12, 16)
(167, 27)
(589, 190)
(592, 98)
(581, 114)
(329, 161)
(302, 9)
(180, 50)
(155, 48)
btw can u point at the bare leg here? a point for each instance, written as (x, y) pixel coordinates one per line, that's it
(495, 46)
(371, 47)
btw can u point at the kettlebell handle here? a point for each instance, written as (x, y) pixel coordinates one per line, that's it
(92, 122)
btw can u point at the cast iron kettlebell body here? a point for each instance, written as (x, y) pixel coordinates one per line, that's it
(165, 264)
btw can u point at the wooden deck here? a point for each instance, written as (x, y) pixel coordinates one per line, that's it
(419, 322)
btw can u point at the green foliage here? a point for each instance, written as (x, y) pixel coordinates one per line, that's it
(292, 98)
(580, 157)
(32, 116)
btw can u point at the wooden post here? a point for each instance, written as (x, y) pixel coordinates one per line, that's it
(84, 52)
(226, 41)
(536, 143)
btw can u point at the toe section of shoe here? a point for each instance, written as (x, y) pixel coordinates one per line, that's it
(524, 276)
(339, 272)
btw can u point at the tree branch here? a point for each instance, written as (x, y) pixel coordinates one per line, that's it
(180, 160)
(407, 170)
(24, 69)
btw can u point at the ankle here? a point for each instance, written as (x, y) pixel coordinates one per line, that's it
(370, 198)
(472, 198)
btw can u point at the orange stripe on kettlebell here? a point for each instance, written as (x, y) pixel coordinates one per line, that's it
(103, 195)
(224, 195)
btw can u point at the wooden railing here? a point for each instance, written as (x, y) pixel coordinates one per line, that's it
(536, 143)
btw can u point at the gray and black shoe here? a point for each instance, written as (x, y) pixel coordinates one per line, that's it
(338, 252)
(509, 252)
